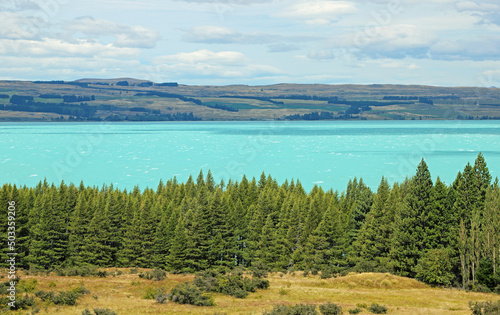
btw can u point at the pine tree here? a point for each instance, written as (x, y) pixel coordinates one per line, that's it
(176, 259)
(373, 242)
(409, 234)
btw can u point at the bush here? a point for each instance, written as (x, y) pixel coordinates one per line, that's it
(377, 309)
(299, 309)
(28, 286)
(25, 302)
(104, 311)
(186, 293)
(326, 274)
(87, 312)
(133, 271)
(102, 273)
(64, 297)
(233, 284)
(485, 308)
(356, 310)
(330, 309)
(259, 270)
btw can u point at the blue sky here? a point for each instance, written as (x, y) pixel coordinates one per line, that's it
(219, 42)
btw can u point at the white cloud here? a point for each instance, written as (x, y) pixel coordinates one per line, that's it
(126, 36)
(207, 63)
(56, 47)
(205, 56)
(319, 11)
(17, 26)
(222, 35)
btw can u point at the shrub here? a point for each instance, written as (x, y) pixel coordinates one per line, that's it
(28, 286)
(326, 274)
(64, 297)
(259, 270)
(44, 296)
(87, 312)
(207, 280)
(186, 293)
(330, 309)
(233, 284)
(102, 273)
(25, 302)
(377, 309)
(52, 284)
(161, 298)
(314, 271)
(133, 271)
(299, 309)
(104, 311)
(485, 308)
(356, 310)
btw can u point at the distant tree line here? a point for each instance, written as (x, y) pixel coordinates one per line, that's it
(4, 96)
(50, 95)
(400, 98)
(83, 111)
(311, 116)
(77, 98)
(440, 234)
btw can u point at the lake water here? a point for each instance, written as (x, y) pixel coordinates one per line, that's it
(323, 153)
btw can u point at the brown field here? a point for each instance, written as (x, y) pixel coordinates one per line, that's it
(124, 294)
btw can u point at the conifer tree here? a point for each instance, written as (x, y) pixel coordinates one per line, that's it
(409, 233)
(176, 259)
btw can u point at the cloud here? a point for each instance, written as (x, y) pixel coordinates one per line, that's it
(319, 11)
(207, 63)
(16, 26)
(126, 36)
(480, 48)
(395, 41)
(18, 5)
(56, 47)
(223, 35)
(205, 56)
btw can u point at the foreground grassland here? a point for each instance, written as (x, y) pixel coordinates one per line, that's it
(124, 294)
(143, 100)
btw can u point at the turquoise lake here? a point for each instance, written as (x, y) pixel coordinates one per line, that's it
(323, 153)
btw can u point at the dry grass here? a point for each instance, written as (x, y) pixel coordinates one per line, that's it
(124, 294)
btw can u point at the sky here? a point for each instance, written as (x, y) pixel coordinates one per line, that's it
(253, 42)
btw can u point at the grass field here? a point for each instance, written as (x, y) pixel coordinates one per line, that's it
(124, 294)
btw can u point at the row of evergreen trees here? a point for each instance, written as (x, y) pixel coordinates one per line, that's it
(440, 234)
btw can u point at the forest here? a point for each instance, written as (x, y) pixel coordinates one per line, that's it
(444, 235)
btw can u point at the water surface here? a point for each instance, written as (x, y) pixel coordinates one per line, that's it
(324, 153)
